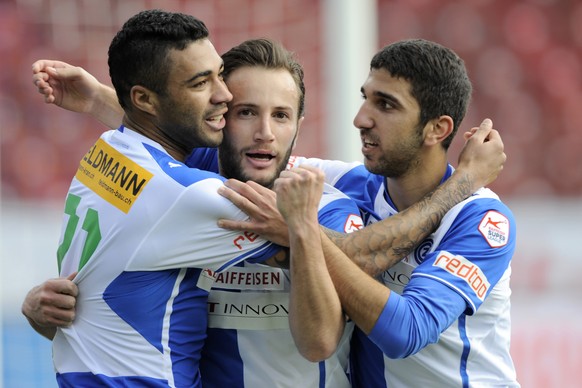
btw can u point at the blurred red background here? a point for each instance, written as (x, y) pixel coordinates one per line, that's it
(525, 60)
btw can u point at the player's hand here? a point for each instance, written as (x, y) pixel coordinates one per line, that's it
(299, 192)
(52, 304)
(260, 204)
(67, 86)
(482, 157)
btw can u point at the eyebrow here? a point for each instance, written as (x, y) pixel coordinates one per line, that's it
(388, 97)
(198, 75)
(205, 73)
(251, 105)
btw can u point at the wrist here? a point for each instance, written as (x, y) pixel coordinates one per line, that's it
(465, 180)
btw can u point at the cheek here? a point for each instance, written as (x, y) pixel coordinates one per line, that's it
(286, 133)
(237, 130)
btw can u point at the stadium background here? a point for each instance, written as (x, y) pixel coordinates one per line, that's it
(525, 60)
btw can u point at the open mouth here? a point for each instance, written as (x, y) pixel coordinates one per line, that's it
(369, 144)
(216, 118)
(260, 155)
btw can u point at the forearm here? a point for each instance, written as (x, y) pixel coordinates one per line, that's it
(106, 108)
(362, 297)
(315, 313)
(379, 246)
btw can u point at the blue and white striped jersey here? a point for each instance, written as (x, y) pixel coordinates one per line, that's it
(467, 260)
(140, 229)
(249, 341)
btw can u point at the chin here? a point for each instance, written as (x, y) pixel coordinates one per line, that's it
(214, 141)
(263, 180)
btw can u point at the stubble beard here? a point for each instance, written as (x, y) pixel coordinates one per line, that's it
(231, 166)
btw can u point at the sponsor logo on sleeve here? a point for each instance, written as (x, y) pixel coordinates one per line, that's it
(462, 268)
(495, 228)
(353, 223)
(113, 176)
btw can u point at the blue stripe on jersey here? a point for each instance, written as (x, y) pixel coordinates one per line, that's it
(359, 185)
(223, 368)
(257, 255)
(86, 379)
(204, 159)
(466, 350)
(140, 299)
(179, 171)
(411, 321)
(366, 362)
(322, 374)
(189, 315)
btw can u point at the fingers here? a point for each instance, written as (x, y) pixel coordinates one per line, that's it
(260, 189)
(480, 134)
(40, 80)
(38, 65)
(55, 315)
(52, 303)
(486, 124)
(234, 225)
(235, 193)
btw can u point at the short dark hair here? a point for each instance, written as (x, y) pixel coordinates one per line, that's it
(138, 53)
(438, 77)
(270, 55)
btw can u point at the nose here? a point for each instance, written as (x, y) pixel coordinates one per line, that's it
(265, 130)
(363, 120)
(221, 94)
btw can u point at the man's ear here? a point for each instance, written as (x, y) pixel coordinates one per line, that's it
(144, 99)
(438, 130)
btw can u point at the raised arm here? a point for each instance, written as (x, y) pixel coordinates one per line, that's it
(379, 246)
(315, 314)
(74, 89)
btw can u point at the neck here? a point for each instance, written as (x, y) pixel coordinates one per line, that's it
(410, 188)
(147, 129)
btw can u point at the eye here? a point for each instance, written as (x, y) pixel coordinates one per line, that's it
(385, 104)
(200, 84)
(281, 115)
(245, 113)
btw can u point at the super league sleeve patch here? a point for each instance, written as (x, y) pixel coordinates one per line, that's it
(353, 223)
(495, 228)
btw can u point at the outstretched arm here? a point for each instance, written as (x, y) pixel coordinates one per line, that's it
(51, 305)
(379, 246)
(74, 89)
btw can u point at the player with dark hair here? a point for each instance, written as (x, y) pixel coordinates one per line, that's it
(262, 164)
(441, 316)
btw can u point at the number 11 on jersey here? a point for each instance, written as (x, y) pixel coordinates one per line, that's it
(90, 226)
